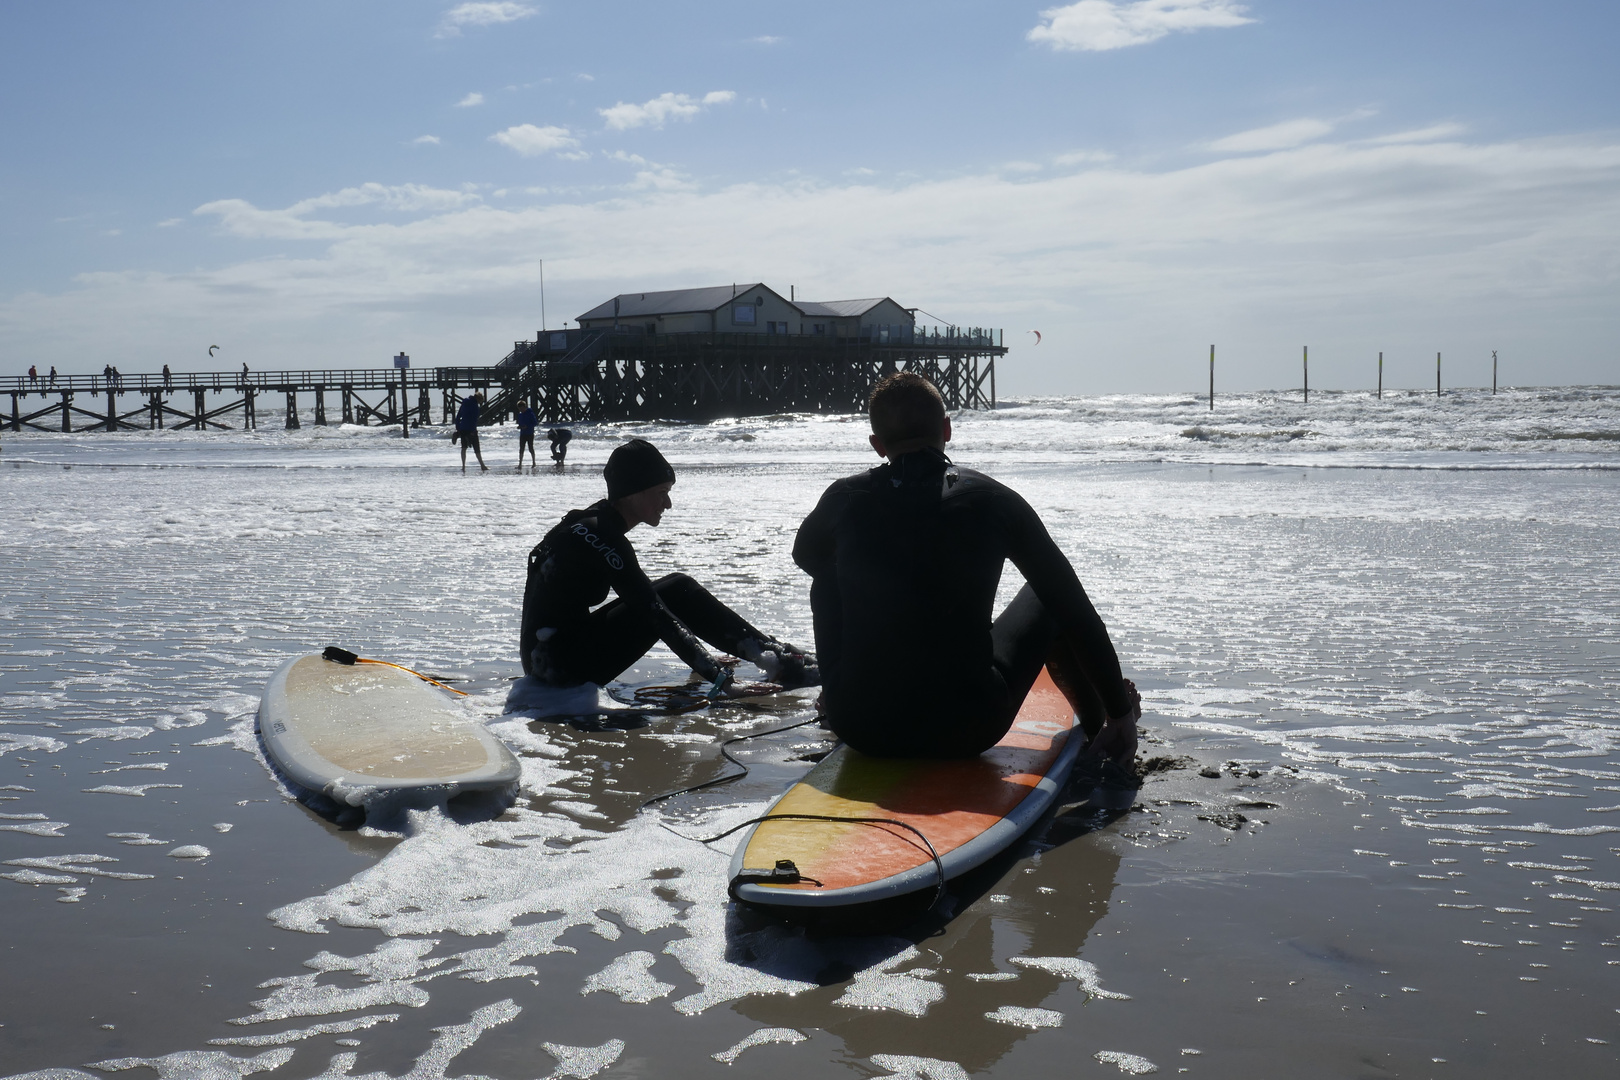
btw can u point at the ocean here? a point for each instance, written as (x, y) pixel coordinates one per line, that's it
(1378, 643)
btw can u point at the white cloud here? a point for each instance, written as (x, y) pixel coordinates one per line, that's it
(170, 223)
(1083, 157)
(482, 14)
(1348, 245)
(1433, 133)
(473, 98)
(532, 141)
(1100, 25)
(623, 116)
(766, 39)
(241, 218)
(1289, 133)
(425, 140)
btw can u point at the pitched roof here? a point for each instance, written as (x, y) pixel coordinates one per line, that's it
(839, 309)
(669, 302)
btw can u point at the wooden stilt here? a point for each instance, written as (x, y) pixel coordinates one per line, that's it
(320, 406)
(292, 410)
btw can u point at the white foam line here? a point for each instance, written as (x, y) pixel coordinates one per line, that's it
(759, 1038)
(136, 790)
(1081, 971)
(203, 1064)
(904, 1067)
(300, 1034)
(78, 864)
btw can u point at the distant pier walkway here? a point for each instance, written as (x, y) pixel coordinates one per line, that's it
(570, 376)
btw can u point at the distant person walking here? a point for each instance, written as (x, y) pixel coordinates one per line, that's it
(244, 373)
(33, 375)
(53, 374)
(115, 380)
(560, 437)
(168, 380)
(467, 429)
(526, 421)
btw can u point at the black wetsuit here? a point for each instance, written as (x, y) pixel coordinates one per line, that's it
(565, 643)
(905, 561)
(560, 438)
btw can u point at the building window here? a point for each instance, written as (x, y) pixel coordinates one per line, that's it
(776, 328)
(743, 315)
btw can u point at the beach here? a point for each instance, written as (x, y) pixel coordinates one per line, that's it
(1378, 643)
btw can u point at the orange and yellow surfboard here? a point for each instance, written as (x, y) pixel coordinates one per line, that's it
(969, 810)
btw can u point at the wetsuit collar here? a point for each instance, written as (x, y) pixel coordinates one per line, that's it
(608, 515)
(920, 465)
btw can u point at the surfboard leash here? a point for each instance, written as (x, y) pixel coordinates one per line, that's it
(344, 656)
(789, 874)
(727, 755)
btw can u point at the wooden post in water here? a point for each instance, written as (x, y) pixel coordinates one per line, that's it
(292, 410)
(405, 407)
(1212, 378)
(16, 418)
(1380, 376)
(67, 410)
(1436, 374)
(1493, 371)
(1307, 362)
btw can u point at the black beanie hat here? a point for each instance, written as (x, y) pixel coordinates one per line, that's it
(635, 466)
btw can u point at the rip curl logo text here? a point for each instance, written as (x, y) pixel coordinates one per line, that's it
(599, 544)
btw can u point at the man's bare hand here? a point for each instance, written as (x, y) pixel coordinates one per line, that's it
(1117, 739)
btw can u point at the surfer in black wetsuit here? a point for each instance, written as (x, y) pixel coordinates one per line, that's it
(560, 438)
(565, 643)
(905, 561)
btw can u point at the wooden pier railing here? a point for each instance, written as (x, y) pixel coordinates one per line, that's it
(568, 375)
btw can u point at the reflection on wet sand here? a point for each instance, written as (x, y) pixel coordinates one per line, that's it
(929, 988)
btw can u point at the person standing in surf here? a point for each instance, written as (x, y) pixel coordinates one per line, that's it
(526, 421)
(564, 643)
(904, 562)
(467, 430)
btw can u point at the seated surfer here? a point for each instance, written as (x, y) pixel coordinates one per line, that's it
(565, 643)
(905, 561)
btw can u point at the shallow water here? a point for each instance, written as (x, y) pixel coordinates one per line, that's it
(1395, 638)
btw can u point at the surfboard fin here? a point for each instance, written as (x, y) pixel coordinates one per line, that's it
(339, 656)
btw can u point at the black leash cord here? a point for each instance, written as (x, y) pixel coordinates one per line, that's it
(939, 866)
(728, 757)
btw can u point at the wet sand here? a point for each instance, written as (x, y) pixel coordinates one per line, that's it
(1405, 864)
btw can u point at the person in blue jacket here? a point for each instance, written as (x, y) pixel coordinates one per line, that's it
(526, 421)
(467, 429)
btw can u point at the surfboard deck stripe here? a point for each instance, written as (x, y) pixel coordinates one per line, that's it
(357, 732)
(969, 810)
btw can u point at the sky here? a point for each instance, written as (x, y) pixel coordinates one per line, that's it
(325, 184)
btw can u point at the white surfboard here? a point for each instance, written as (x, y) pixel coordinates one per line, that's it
(367, 735)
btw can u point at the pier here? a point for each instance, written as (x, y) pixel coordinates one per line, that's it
(576, 375)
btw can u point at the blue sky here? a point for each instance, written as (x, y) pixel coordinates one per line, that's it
(324, 184)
